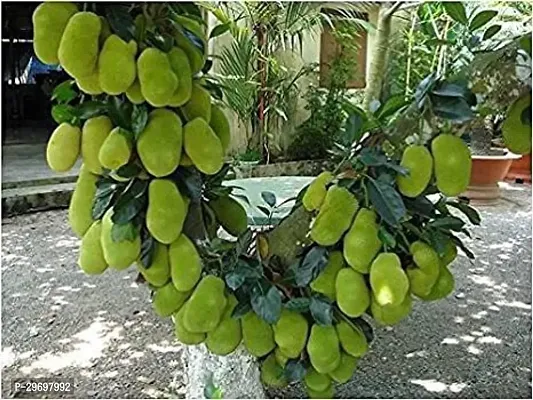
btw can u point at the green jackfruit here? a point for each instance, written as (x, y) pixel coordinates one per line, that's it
(166, 211)
(361, 242)
(134, 93)
(116, 65)
(316, 381)
(158, 81)
(158, 272)
(323, 348)
(335, 216)
(423, 278)
(352, 339)
(388, 280)
(91, 259)
(185, 263)
(326, 394)
(418, 161)
(316, 192)
(231, 215)
(180, 65)
(115, 151)
(94, 133)
(258, 336)
(81, 203)
(206, 305)
(391, 315)
(181, 332)
(325, 281)
(450, 253)
(345, 370)
(49, 22)
(90, 84)
(203, 146)
(105, 32)
(272, 374)
(185, 160)
(353, 296)
(159, 145)
(199, 105)
(195, 55)
(119, 255)
(281, 358)
(443, 287)
(63, 147)
(452, 164)
(516, 128)
(167, 300)
(78, 50)
(220, 125)
(290, 333)
(225, 338)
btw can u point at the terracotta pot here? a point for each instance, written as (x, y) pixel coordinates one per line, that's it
(520, 169)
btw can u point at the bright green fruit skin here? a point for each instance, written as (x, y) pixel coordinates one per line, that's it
(220, 125)
(388, 280)
(225, 338)
(116, 65)
(325, 281)
(206, 305)
(516, 134)
(353, 296)
(181, 332)
(81, 203)
(134, 93)
(180, 65)
(94, 133)
(167, 300)
(158, 81)
(418, 161)
(443, 287)
(90, 84)
(158, 273)
(115, 151)
(316, 381)
(424, 277)
(272, 373)
(203, 147)
(450, 253)
(323, 348)
(196, 57)
(231, 215)
(281, 358)
(391, 315)
(119, 255)
(185, 263)
(352, 339)
(361, 242)
(290, 333)
(345, 370)
(452, 164)
(335, 216)
(91, 259)
(316, 192)
(258, 336)
(326, 394)
(199, 105)
(63, 147)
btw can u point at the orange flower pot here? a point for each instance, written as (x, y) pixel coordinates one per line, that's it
(520, 169)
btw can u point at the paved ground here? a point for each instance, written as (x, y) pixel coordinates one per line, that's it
(101, 331)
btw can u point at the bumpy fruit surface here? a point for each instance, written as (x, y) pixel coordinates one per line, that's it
(158, 272)
(63, 147)
(180, 65)
(272, 373)
(281, 358)
(391, 315)
(316, 381)
(81, 203)
(452, 163)
(325, 281)
(316, 192)
(196, 57)
(231, 215)
(353, 296)
(352, 339)
(134, 93)
(290, 333)
(90, 84)
(258, 336)
(119, 255)
(388, 280)
(167, 300)
(78, 50)
(418, 161)
(423, 278)
(220, 126)
(516, 131)
(199, 105)
(323, 348)
(206, 305)
(185, 263)
(335, 216)
(115, 151)
(159, 145)
(116, 65)
(361, 242)
(166, 211)
(443, 287)
(49, 23)
(91, 259)
(203, 147)
(94, 133)
(181, 332)
(450, 253)
(225, 338)
(158, 81)
(345, 370)
(326, 394)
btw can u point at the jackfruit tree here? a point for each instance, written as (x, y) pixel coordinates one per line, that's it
(362, 241)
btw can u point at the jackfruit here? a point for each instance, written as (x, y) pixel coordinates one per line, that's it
(91, 259)
(134, 93)
(78, 49)
(353, 296)
(167, 300)
(158, 272)
(159, 145)
(316, 381)
(158, 81)
(185, 160)
(116, 65)
(196, 56)
(181, 332)
(115, 151)
(272, 374)
(418, 161)
(258, 336)
(316, 192)
(345, 370)
(203, 146)
(361, 242)
(423, 278)
(81, 203)
(63, 147)
(231, 215)
(94, 133)
(220, 125)
(450, 253)
(199, 105)
(225, 338)
(185, 263)
(180, 65)
(290, 333)
(281, 358)
(206, 305)
(443, 287)
(391, 315)
(516, 132)
(119, 255)
(325, 281)
(335, 216)
(352, 339)
(90, 84)
(326, 394)
(323, 348)
(49, 22)
(452, 164)
(388, 280)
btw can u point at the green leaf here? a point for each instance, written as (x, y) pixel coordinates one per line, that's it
(219, 30)
(64, 92)
(423, 88)
(269, 198)
(372, 157)
(106, 189)
(321, 310)
(455, 109)
(298, 304)
(294, 370)
(120, 112)
(420, 206)
(244, 271)
(242, 308)
(456, 10)
(393, 105)
(525, 116)
(210, 390)
(131, 202)
(386, 237)
(525, 43)
(64, 113)
(264, 210)
(481, 19)
(207, 66)
(469, 212)
(130, 170)
(352, 129)
(438, 241)
(139, 119)
(91, 109)
(313, 263)
(266, 302)
(459, 243)
(367, 329)
(189, 181)
(121, 21)
(120, 233)
(147, 248)
(451, 223)
(491, 31)
(386, 200)
(162, 42)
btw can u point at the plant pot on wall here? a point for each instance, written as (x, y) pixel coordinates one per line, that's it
(520, 169)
